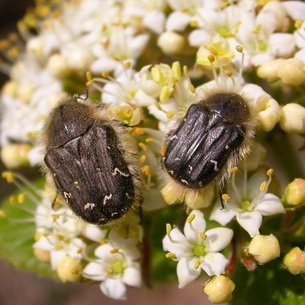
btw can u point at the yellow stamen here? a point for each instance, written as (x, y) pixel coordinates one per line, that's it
(146, 170)
(225, 197)
(263, 185)
(170, 255)
(8, 176)
(234, 169)
(102, 241)
(20, 198)
(2, 214)
(168, 228)
(149, 140)
(142, 146)
(239, 48)
(190, 218)
(142, 159)
(202, 236)
(114, 250)
(176, 68)
(170, 114)
(163, 150)
(270, 172)
(197, 264)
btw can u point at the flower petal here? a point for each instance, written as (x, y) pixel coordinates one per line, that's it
(218, 239)
(132, 275)
(214, 263)
(176, 243)
(186, 272)
(95, 271)
(222, 215)
(250, 221)
(193, 228)
(270, 204)
(114, 289)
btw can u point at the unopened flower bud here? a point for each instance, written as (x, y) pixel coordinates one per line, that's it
(295, 192)
(293, 118)
(58, 66)
(80, 59)
(171, 43)
(269, 70)
(219, 289)
(294, 261)
(264, 248)
(15, 155)
(42, 255)
(69, 270)
(291, 71)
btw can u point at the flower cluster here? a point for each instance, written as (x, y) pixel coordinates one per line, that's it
(146, 63)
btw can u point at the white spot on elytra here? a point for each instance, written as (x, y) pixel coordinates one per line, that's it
(216, 169)
(227, 146)
(108, 197)
(67, 195)
(117, 171)
(184, 181)
(89, 206)
(174, 137)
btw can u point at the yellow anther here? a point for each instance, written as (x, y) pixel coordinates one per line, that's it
(228, 72)
(142, 159)
(211, 58)
(138, 130)
(225, 197)
(146, 169)
(37, 236)
(168, 228)
(257, 29)
(197, 264)
(89, 78)
(2, 214)
(142, 146)
(194, 24)
(170, 255)
(185, 70)
(234, 169)
(202, 236)
(12, 200)
(80, 250)
(170, 114)
(190, 218)
(105, 74)
(54, 217)
(263, 186)
(163, 150)
(149, 140)
(158, 106)
(20, 198)
(114, 250)
(176, 68)
(8, 176)
(239, 48)
(60, 237)
(127, 64)
(224, 4)
(270, 172)
(192, 88)
(59, 247)
(298, 23)
(110, 271)
(102, 241)
(157, 75)
(165, 93)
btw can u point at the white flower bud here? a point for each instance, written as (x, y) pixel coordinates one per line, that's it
(58, 66)
(293, 118)
(15, 155)
(25, 91)
(79, 59)
(264, 248)
(10, 88)
(171, 43)
(269, 70)
(294, 261)
(36, 47)
(295, 192)
(219, 289)
(291, 71)
(69, 270)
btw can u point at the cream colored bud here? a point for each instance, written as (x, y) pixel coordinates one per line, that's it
(10, 88)
(15, 155)
(295, 192)
(291, 71)
(80, 59)
(36, 47)
(58, 66)
(42, 255)
(293, 118)
(269, 70)
(264, 248)
(294, 261)
(219, 289)
(25, 92)
(69, 270)
(171, 43)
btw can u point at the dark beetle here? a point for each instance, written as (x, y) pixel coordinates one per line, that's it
(213, 135)
(91, 167)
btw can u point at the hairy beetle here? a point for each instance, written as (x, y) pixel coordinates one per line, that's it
(213, 135)
(90, 162)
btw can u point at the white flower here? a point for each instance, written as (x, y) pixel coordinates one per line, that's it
(248, 201)
(115, 269)
(197, 249)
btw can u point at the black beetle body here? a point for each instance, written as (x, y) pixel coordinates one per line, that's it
(91, 169)
(214, 133)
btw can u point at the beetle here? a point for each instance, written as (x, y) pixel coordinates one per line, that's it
(213, 136)
(90, 161)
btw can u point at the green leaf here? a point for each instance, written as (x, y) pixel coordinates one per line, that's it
(17, 231)
(268, 284)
